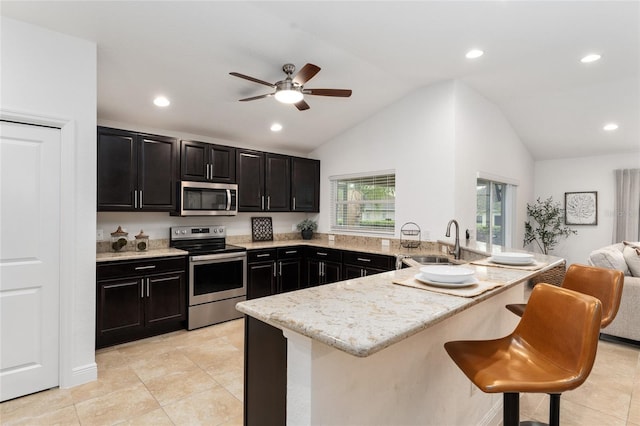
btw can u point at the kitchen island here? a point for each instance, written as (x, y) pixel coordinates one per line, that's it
(367, 351)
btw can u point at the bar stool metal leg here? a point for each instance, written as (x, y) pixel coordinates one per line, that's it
(511, 409)
(554, 409)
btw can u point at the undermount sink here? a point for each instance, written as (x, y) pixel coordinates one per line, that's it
(427, 260)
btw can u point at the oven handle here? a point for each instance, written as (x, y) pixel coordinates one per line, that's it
(218, 256)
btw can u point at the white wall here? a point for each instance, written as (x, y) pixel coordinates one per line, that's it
(413, 136)
(555, 177)
(437, 139)
(486, 143)
(48, 77)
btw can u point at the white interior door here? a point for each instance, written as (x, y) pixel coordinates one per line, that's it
(29, 258)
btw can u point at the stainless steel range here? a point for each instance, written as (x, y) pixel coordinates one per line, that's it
(217, 273)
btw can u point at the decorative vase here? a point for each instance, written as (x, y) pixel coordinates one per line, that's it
(307, 234)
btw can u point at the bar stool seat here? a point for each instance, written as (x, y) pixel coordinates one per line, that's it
(601, 283)
(552, 350)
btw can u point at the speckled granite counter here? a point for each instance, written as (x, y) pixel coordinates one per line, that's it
(364, 315)
(134, 255)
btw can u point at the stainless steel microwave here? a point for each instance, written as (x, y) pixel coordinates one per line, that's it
(207, 199)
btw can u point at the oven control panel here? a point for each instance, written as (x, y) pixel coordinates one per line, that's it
(197, 232)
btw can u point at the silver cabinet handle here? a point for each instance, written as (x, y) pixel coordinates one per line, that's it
(141, 288)
(148, 287)
(274, 269)
(209, 171)
(319, 253)
(268, 202)
(135, 198)
(362, 259)
(280, 269)
(141, 268)
(262, 202)
(294, 203)
(291, 252)
(263, 255)
(141, 198)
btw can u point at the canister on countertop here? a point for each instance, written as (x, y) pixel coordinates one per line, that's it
(142, 241)
(119, 239)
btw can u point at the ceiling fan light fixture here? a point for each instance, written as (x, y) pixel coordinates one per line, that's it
(289, 96)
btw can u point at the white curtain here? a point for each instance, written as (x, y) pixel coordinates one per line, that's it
(626, 225)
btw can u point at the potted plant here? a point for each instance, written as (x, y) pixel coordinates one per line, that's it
(307, 227)
(546, 225)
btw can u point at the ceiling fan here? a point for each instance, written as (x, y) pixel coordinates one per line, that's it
(291, 90)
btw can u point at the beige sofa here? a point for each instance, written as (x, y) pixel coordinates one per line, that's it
(627, 322)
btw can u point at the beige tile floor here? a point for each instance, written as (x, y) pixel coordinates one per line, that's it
(192, 378)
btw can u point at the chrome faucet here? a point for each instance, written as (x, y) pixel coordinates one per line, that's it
(456, 248)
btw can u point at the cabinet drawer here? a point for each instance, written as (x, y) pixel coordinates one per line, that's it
(324, 254)
(261, 255)
(290, 252)
(126, 268)
(369, 260)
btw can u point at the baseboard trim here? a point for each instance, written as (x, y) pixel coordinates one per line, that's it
(81, 375)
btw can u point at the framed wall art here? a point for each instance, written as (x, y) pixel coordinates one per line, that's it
(581, 208)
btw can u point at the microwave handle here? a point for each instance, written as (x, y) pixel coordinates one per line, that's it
(228, 199)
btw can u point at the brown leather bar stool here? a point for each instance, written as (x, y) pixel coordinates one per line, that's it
(601, 283)
(552, 350)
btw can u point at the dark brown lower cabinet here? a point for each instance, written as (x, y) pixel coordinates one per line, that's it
(265, 374)
(138, 299)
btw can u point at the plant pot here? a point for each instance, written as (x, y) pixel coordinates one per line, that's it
(307, 234)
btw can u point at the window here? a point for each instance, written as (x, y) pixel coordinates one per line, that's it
(364, 202)
(494, 212)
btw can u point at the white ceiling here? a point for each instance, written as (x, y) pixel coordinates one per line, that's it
(380, 50)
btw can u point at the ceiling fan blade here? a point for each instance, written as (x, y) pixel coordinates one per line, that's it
(253, 98)
(341, 93)
(306, 73)
(302, 105)
(255, 80)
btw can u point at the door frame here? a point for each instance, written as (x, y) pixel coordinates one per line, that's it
(68, 376)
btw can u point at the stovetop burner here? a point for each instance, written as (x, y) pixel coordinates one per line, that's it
(202, 240)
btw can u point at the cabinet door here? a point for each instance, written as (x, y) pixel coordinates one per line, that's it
(157, 173)
(277, 183)
(117, 169)
(223, 164)
(165, 298)
(313, 272)
(352, 271)
(120, 308)
(305, 185)
(194, 161)
(261, 279)
(289, 275)
(250, 177)
(332, 272)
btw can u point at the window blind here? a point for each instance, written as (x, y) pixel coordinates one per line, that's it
(364, 202)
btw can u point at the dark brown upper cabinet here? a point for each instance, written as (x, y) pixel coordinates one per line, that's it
(264, 181)
(205, 162)
(305, 185)
(136, 171)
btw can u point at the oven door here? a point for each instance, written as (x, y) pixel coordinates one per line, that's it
(217, 277)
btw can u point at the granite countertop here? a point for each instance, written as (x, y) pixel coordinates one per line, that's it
(365, 315)
(133, 255)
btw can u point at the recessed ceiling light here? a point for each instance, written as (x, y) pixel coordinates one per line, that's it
(161, 101)
(592, 57)
(276, 127)
(609, 127)
(474, 53)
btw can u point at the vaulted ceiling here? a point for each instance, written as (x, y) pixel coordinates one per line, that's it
(382, 50)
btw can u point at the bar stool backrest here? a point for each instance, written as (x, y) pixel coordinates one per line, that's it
(603, 284)
(564, 325)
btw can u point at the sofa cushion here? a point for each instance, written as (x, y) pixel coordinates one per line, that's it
(631, 254)
(610, 258)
